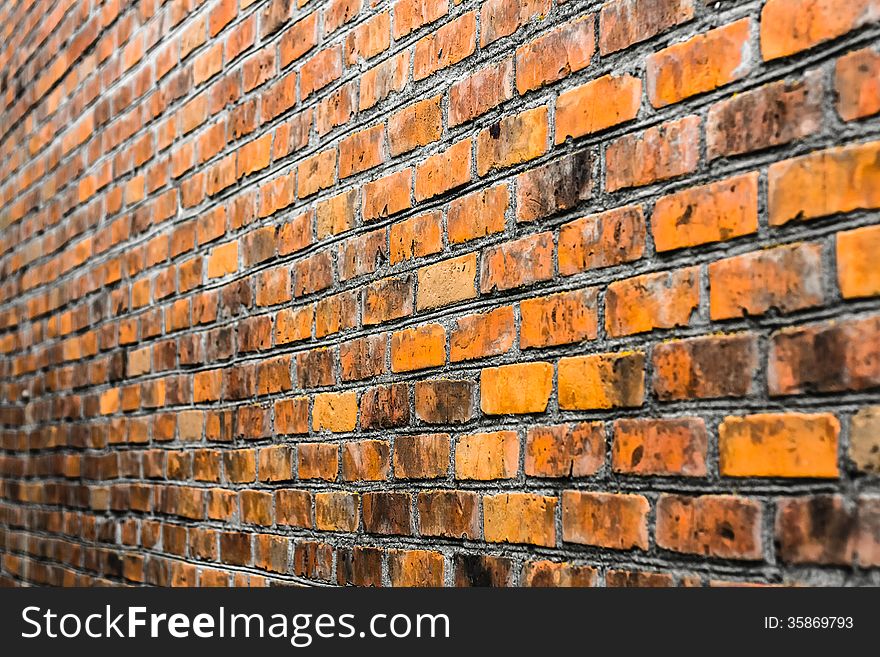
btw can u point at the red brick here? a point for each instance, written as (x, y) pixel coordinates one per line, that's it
(576, 450)
(705, 367)
(609, 520)
(448, 45)
(668, 446)
(602, 240)
(785, 278)
(660, 153)
(700, 64)
(857, 83)
(478, 93)
(556, 54)
(719, 526)
(715, 212)
(627, 22)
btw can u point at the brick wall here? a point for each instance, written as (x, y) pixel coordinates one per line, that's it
(444, 292)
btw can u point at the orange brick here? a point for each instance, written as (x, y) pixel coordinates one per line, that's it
(517, 264)
(790, 26)
(477, 215)
(361, 151)
(702, 63)
(365, 460)
(416, 237)
(417, 125)
(857, 82)
(555, 55)
(779, 445)
(448, 45)
(519, 388)
(514, 139)
(418, 348)
(293, 324)
(559, 318)
(336, 214)
(447, 282)
(602, 240)
(316, 173)
(711, 213)
(487, 456)
(857, 272)
(786, 278)
(602, 381)
(597, 105)
(609, 520)
(387, 195)
(823, 183)
(223, 260)
(444, 171)
(478, 93)
(651, 301)
(659, 153)
(481, 335)
(520, 518)
(335, 412)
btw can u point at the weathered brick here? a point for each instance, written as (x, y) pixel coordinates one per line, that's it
(601, 240)
(481, 335)
(784, 278)
(520, 518)
(443, 401)
(660, 153)
(668, 446)
(602, 381)
(418, 348)
(576, 450)
(512, 140)
(779, 445)
(627, 22)
(715, 212)
(487, 456)
(559, 318)
(518, 388)
(719, 526)
(447, 282)
(423, 456)
(453, 514)
(554, 187)
(610, 520)
(775, 114)
(705, 367)
(703, 63)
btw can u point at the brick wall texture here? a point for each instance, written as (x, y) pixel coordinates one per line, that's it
(440, 292)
